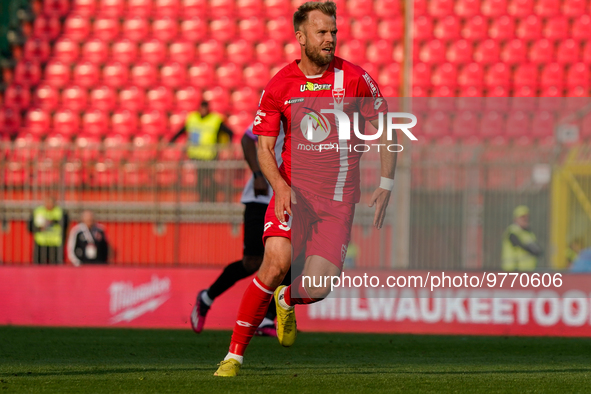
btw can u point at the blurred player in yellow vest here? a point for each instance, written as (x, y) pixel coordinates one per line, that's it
(520, 247)
(205, 132)
(48, 224)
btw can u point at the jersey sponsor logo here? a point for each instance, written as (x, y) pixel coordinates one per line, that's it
(261, 113)
(314, 126)
(257, 120)
(338, 94)
(267, 225)
(378, 103)
(286, 226)
(372, 85)
(293, 101)
(244, 323)
(315, 87)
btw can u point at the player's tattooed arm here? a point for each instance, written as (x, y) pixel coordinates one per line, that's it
(381, 197)
(268, 164)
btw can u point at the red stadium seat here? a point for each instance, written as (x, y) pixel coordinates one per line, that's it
(87, 147)
(437, 124)
(475, 28)
(578, 91)
(276, 28)
(447, 28)
(557, 28)
(256, 75)
(165, 28)
(152, 51)
(36, 49)
(106, 28)
(12, 120)
(240, 122)
(95, 123)
(85, 8)
(182, 51)
(116, 144)
(471, 75)
(56, 147)
(124, 122)
(586, 55)
(432, 52)
(551, 92)
(390, 75)
(441, 8)
(223, 29)
(159, 98)
(139, 8)
(421, 75)
(17, 97)
(45, 96)
(143, 74)
(269, 52)
(221, 8)
(173, 75)
(529, 28)
(277, 8)
(229, 75)
(245, 99)
(47, 27)
(423, 28)
(103, 98)
(187, 98)
(115, 74)
(56, 7)
(465, 124)
(581, 27)
(240, 52)
(542, 124)
(37, 121)
(66, 50)
(176, 121)
(364, 29)
(167, 8)
(487, 52)
(76, 27)
(359, 8)
(548, 8)
(526, 75)
(492, 124)
(502, 28)
(211, 51)
(470, 98)
(518, 124)
(541, 52)
(153, 122)
(66, 122)
(201, 75)
(552, 75)
(85, 74)
(459, 52)
(494, 8)
(132, 98)
(193, 8)
(252, 30)
(578, 75)
(95, 50)
(420, 7)
(248, 8)
(218, 98)
(57, 74)
(194, 29)
(574, 8)
(524, 91)
(124, 51)
(445, 75)
(380, 52)
(113, 8)
(568, 52)
(390, 29)
(514, 52)
(467, 8)
(498, 74)
(353, 51)
(27, 73)
(135, 28)
(521, 8)
(385, 9)
(291, 51)
(75, 98)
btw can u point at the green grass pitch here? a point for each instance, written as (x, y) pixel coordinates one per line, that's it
(61, 360)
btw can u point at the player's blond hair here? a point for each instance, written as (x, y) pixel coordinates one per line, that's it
(301, 15)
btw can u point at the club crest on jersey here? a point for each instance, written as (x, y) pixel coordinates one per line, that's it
(315, 126)
(315, 87)
(338, 94)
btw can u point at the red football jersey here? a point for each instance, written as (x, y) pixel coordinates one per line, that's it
(312, 162)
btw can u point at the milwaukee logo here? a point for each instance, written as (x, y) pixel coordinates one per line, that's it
(128, 302)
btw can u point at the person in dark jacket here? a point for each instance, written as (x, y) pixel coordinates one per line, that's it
(87, 242)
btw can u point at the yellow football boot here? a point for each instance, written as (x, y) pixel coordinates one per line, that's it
(287, 329)
(229, 367)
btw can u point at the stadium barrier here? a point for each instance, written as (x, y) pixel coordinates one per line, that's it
(163, 297)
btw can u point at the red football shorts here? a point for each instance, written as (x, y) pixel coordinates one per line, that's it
(319, 225)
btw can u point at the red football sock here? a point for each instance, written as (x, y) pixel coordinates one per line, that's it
(253, 308)
(296, 293)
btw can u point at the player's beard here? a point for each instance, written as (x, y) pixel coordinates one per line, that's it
(318, 57)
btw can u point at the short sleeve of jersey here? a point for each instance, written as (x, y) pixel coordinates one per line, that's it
(371, 102)
(268, 118)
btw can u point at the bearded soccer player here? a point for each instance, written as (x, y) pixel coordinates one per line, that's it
(330, 179)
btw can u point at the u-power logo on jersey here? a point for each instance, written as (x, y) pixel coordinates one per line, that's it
(316, 128)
